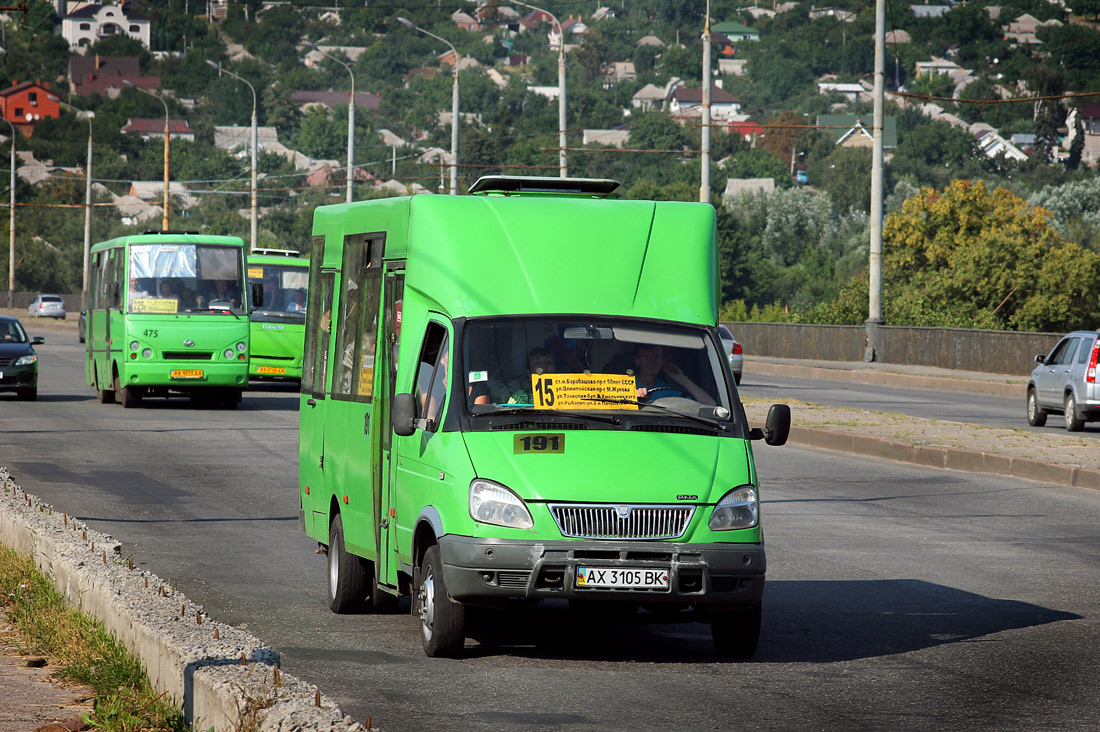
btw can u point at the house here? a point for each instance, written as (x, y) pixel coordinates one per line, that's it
(622, 71)
(734, 66)
(844, 16)
(602, 13)
(936, 66)
(334, 99)
(91, 23)
(745, 127)
(758, 13)
(851, 130)
(574, 26)
(992, 144)
(607, 138)
(239, 137)
(649, 40)
(466, 22)
(315, 58)
(148, 128)
(736, 32)
(897, 37)
(745, 186)
(28, 103)
(1090, 118)
(107, 75)
(929, 11)
(1023, 29)
(687, 102)
(390, 139)
(649, 98)
(850, 92)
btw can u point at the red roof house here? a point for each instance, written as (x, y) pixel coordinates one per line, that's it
(28, 103)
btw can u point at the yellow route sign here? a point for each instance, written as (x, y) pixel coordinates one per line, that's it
(154, 305)
(584, 391)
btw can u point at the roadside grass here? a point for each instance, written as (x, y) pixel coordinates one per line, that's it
(83, 651)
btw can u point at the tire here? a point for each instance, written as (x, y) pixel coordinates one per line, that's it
(1074, 423)
(1036, 416)
(347, 575)
(736, 633)
(127, 396)
(737, 379)
(442, 622)
(105, 396)
(29, 395)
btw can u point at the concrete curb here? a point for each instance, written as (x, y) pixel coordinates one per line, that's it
(890, 378)
(950, 458)
(219, 675)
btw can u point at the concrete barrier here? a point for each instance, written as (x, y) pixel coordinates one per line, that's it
(220, 676)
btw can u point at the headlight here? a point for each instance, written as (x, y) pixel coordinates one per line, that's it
(26, 360)
(229, 353)
(492, 503)
(147, 353)
(738, 509)
(134, 345)
(241, 347)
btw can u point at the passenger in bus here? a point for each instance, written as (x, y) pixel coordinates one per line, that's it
(169, 290)
(657, 377)
(137, 289)
(298, 304)
(539, 361)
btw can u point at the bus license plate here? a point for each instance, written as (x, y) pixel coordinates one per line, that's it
(273, 370)
(186, 373)
(622, 579)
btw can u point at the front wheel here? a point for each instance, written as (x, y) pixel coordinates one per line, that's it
(1074, 423)
(29, 395)
(442, 622)
(1036, 417)
(736, 633)
(127, 396)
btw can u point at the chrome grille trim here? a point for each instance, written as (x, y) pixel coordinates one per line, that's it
(603, 520)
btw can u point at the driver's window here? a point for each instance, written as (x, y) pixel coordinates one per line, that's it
(431, 374)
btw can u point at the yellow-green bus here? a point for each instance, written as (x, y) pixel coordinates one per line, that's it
(279, 324)
(168, 316)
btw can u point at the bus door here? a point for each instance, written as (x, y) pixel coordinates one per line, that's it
(104, 324)
(386, 383)
(312, 408)
(350, 441)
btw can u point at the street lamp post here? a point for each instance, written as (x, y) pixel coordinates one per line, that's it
(351, 117)
(167, 146)
(255, 221)
(11, 224)
(454, 103)
(704, 158)
(563, 142)
(87, 200)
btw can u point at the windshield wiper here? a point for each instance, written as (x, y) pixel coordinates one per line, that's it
(702, 420)
(549, 412)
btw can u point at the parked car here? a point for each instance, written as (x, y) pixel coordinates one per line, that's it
(81, 325)
(47, 306)
(18, 361)
(801, 178)
(1066, 381)
(733, 352)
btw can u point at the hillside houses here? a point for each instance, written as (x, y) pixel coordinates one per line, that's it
(88, 24)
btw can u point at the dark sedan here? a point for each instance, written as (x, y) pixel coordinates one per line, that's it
(18, 361)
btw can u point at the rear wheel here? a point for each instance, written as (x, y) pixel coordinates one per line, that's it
(127, 396)
(347, 576)
(1036, 417)
(105, 396)
(442, 622)
(1074, 423)
(736, 633)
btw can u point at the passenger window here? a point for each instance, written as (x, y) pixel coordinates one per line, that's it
(358, 328)
(1069, 352)
(318, 305)
(431, 374)
(1084, 353)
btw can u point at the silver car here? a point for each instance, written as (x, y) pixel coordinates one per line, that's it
(733, 352)
(1066, 381)
(47, 306)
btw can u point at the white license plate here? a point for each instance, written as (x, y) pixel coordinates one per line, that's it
(613, 578)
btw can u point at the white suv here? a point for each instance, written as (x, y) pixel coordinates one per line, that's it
(1066, 381)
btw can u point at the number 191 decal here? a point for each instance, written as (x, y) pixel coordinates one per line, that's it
(553, 442)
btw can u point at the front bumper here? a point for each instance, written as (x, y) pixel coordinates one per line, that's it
(18, 377)
(214, 373)
(482, 570)
(260, 367)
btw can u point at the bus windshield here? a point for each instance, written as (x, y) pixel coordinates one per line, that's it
(285, 291)
(186, 278)
(580, 364)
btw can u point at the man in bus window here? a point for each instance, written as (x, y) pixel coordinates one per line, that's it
(298, 304)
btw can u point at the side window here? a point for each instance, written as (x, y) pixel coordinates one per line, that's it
(93, 281)
(1057, 353)
(1084, 353)
(431, 374)
(1069, 352)
(357, 331)
(316, 344)
(114, 277)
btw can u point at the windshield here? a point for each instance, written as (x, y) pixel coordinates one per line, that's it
(11, 331)
(285, 291)
(185, 278)
(598, 366)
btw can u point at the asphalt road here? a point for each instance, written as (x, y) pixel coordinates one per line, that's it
(898, 598)
(946, 405)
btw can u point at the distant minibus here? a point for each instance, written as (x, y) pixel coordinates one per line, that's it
(519, 395)
(278, 325)
(167, 316)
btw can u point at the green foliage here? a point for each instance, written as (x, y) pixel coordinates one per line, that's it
(846, 177)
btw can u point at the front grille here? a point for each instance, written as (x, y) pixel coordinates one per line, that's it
(593, 521)
(272, 358)
(671, 429)
(7, 361)
(513, 580)
(539, 426)
(188, 355)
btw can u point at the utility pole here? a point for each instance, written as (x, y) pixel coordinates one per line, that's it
(11, 223)
(874, 304)
(704, 158)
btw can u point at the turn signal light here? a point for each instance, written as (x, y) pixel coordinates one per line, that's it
(1090, 375)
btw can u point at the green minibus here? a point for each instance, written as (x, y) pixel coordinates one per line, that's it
(278, 325)
(167, 316)
(521, 395)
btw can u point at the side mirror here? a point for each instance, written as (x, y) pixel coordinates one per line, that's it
(778, 425)
(1040, 358)
(35, 340)
(257, 294)
(403, 415)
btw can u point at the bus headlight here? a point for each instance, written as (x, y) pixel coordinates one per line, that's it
(738, 509)
(229, 354)
(134, 345)
(241, 347)
(147, 353)
(492, 503)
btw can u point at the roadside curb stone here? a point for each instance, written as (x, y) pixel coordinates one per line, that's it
(192, 658)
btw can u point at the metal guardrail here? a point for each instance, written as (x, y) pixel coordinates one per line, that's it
(961, 349)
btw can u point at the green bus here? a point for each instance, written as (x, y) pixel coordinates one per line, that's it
(167, 316)
(521, 394)
(278, 325)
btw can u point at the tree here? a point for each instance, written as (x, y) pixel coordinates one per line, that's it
(964, 255)
(846, 177)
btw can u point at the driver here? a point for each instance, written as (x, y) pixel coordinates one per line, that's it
(657, 377)
(222, 290)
